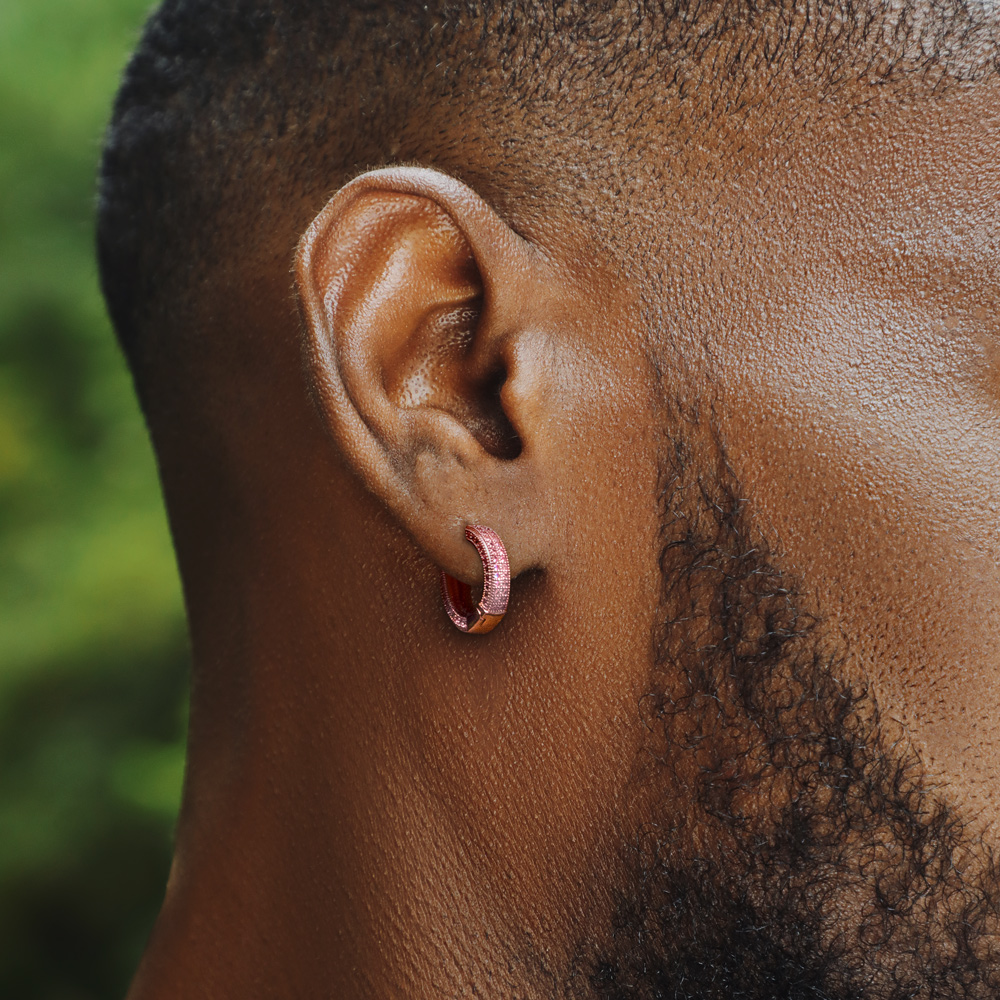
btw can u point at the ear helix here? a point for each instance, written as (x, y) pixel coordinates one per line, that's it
(488, 612)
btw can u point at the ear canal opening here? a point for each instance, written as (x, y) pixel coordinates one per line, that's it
(495, 433)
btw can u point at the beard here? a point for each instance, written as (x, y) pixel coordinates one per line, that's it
(793, 848)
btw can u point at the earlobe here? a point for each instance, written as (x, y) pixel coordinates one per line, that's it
(415, 299)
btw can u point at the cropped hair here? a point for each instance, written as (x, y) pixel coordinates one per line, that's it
(231, 109)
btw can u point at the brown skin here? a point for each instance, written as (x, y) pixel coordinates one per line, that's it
(379, 806)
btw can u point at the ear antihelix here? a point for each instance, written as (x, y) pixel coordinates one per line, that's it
(485, 614)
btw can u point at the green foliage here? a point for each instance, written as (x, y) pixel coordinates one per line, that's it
(92, 649)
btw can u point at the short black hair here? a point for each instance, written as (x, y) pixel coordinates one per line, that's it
(232, 108)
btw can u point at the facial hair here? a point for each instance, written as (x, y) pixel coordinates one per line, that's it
(793, 848)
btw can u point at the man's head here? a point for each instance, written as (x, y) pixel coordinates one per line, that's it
(695, 306)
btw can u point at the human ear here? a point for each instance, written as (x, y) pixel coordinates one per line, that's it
(429, 357)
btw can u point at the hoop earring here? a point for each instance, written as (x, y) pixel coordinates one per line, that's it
(492, 606)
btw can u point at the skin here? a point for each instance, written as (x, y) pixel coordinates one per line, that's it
(379, 806)
(873, 402)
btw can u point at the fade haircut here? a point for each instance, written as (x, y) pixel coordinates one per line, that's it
(234, 113)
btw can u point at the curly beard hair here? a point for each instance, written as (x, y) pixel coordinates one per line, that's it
(794, 849)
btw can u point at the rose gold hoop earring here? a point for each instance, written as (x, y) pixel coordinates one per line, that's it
(488, 613)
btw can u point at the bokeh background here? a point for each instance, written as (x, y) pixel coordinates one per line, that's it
(93, 661)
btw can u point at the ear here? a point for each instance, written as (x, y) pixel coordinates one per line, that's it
(428, 353)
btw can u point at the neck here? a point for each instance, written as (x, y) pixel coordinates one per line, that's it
(402, 822)
(375, 804)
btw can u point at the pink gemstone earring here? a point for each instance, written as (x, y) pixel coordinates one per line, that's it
(488, 613)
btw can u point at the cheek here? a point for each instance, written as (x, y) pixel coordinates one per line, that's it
(870, 447)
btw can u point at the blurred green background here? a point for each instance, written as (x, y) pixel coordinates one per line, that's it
(93, 662)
